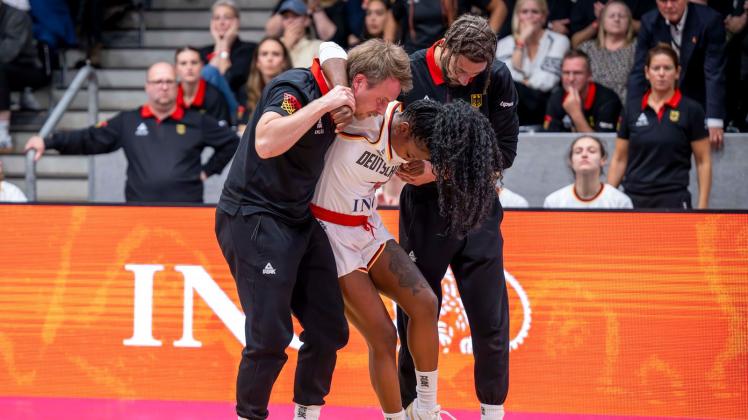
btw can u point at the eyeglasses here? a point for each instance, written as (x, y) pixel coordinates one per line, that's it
(162, 82)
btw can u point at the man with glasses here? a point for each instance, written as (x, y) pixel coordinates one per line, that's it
(162, 142)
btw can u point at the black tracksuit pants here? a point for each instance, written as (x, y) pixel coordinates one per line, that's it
(282, 269)
(679, 199)
(477, 264)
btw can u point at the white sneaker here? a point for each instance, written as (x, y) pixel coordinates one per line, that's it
(6, 142)
(413, 413)
(28, 100)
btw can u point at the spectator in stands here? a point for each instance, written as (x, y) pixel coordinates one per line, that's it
(297, 37)
(533, 55)
(558, 17)
(9, 192)
(323, 26)
(419, 24)
(612, 51)
(697, 34)
(656, 138)
(162, 143)
(580, 104)
(338, 12)
(194, 92)
(270, 59)
(586, 16)
(587, 158)
(376, 14)
(228, 58)
(19, 63)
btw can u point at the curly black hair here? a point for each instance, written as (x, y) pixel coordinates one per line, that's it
(465, 157)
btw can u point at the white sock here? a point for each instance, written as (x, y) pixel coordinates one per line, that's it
(400, 415)
(491, 412)
(306, 412)
(426, 389)
(4, 127)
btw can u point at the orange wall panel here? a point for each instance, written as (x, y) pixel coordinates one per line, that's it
(613, 313)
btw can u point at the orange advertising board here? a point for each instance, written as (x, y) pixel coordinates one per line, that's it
(618, 314)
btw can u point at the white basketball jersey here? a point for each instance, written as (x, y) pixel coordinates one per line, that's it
(608, 198)
(358, 162)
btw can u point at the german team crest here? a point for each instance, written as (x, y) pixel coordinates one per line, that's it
(181, 129)
(476, 100)
(674, 115)
(290, 103)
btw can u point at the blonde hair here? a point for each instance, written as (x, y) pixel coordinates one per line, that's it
(601, 27)
(542, 5)
(380, 60)
(225, 3)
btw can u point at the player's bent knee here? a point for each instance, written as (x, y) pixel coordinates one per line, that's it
(424, 306)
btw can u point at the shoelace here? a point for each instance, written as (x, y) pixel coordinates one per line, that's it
(446, 413)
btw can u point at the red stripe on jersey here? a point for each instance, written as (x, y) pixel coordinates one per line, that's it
(338, 218)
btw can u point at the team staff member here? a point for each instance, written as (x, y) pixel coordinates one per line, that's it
(194, 92)
(278, 254)
(656, 138)
(162, 143)
(461, 67)
(581, 105)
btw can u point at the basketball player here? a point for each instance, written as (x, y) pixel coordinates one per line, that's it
(463, 149)
(587, 157)
(461, 66)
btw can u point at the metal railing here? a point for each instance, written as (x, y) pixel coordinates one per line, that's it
(85, 74)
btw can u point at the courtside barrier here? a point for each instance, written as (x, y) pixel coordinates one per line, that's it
(612, 313)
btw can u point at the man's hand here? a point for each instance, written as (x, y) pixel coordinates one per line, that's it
(203, 176)
(573, 102)
(293, 32)
(342, 117)
(735, 24)
(416, 173)
(36, 143)
(716, 137)
(338, 97)
(561, 26)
